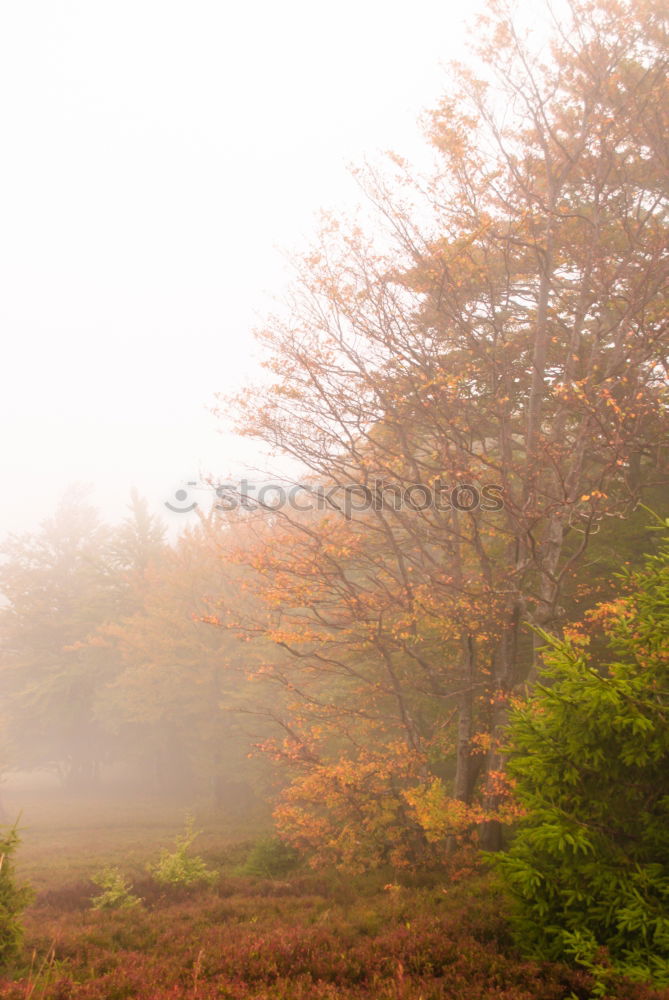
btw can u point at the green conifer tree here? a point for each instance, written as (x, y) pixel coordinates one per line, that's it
(589, 864)
(13, 899)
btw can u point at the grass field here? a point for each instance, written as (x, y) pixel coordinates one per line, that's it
(284, 935)
(64, 838)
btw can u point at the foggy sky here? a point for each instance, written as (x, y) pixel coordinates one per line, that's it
(155, 158)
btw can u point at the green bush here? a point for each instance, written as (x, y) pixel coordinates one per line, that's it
(116, 894)
(270, 858)
(177, 868)
(589, 865)
(13, 899)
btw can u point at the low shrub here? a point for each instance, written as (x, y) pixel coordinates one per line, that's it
(270, 857)
(116, 894)
(178, 868)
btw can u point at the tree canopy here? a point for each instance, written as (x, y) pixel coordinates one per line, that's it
(499, 324)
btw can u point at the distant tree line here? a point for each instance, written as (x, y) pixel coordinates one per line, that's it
(105, 663)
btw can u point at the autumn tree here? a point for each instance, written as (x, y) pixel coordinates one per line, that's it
(364, 692)
(506, 326)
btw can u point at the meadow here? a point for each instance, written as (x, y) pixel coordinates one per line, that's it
(264, 929)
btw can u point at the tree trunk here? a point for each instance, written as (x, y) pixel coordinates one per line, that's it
(505, 669)
(462, 783)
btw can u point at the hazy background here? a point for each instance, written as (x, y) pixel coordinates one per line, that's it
(156, 156)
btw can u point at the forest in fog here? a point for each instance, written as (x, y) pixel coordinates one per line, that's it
(109, 673)
(434, 655)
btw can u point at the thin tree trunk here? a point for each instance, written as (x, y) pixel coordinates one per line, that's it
(462, 783)
(505, 668)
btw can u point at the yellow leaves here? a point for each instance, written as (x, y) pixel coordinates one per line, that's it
(440, 815)
(346, 810)
(576, 637)
(607, 612)
(481, 742)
